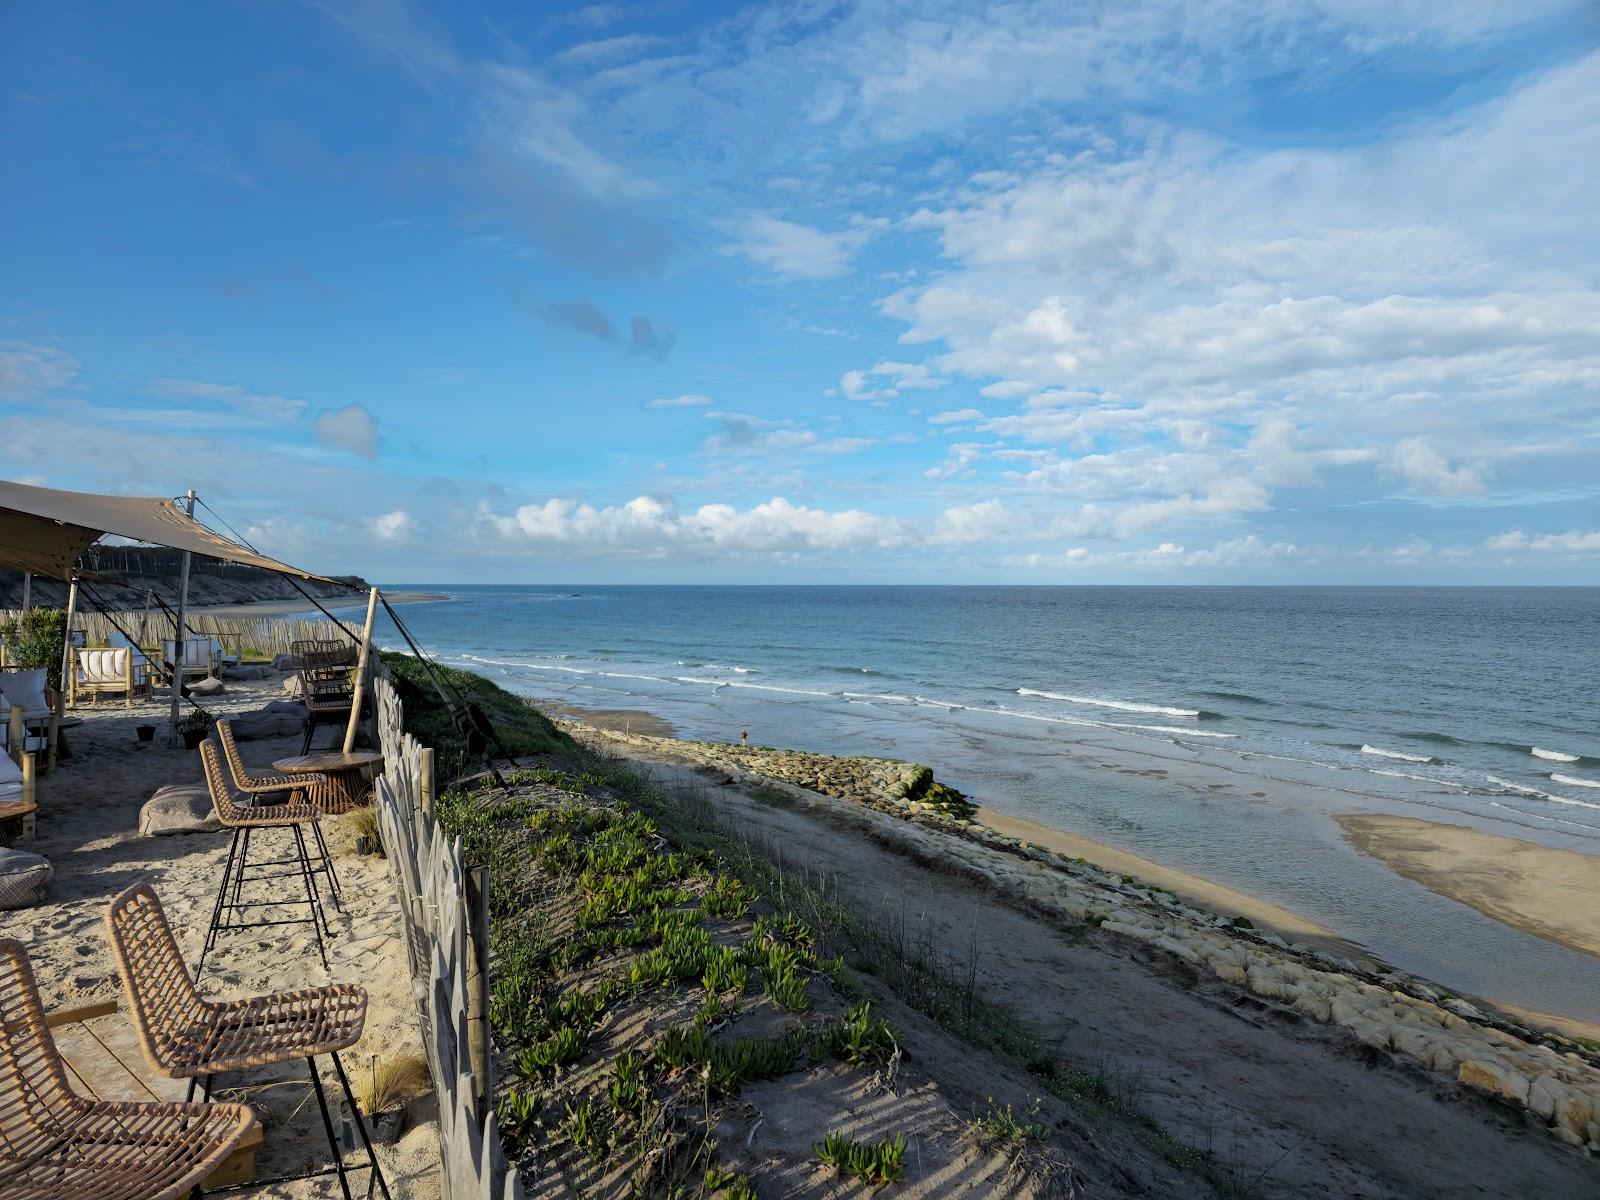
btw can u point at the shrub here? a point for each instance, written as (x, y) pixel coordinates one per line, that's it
(875, 1164)
(37, 639)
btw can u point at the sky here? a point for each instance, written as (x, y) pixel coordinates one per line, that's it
(1156, 291)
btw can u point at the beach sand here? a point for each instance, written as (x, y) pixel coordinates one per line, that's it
(1550, 893)
(88, 829)
(620, 720)
(280, 608)
(1196, 889)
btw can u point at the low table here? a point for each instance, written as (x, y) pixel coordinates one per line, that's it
(348, 774)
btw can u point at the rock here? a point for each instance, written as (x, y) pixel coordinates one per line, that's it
(251, 727)
(210, 686)
(1494, 1078)
(286, 662)
(1543, 1095)
(1575, 1111)
(178, 808)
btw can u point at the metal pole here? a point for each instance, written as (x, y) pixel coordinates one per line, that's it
(177, 645)
(361, 673)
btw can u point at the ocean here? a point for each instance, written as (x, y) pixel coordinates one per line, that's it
(1212, 729)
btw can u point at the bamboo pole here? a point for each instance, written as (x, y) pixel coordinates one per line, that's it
(27, 590)
(361, 673)
(179, 639)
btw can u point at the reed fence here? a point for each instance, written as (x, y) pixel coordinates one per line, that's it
(269, 636)
(445, 956)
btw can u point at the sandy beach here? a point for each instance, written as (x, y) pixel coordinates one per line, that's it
(280, 608)
(88, 829)
(1550, 893)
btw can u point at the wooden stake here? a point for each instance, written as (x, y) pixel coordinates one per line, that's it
(179, 638)
(361, 673)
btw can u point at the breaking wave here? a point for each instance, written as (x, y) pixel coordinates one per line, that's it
(1401, 755)
(1159, 710)
(1554, 755)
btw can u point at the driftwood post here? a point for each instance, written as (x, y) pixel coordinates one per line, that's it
(361, 673)
(177, 634)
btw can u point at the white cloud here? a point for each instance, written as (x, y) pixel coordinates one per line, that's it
(1428, 473)
(965, 524)
(28, 371)
(1574, 541)
(955, 415)
(958, 462)
(352, 428)
(396, 526)
(743, 434)
(651, 527)
(901, 376)
(687, 400)
(793, 251)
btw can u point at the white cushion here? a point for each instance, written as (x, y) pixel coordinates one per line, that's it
(25, 688)
(9, 771)
(102, 666)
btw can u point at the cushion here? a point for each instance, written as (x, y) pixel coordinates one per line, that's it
(250, 727)
(25, 688)
(102, 666)
(23, 876)
(9, 771)
(178, 808)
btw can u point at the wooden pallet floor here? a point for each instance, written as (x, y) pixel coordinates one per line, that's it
(103, 1060)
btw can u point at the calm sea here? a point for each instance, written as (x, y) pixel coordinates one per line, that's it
(1213, 729)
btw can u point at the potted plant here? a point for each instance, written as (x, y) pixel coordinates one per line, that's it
(194, 727)
(382, 1093)
(145, 732)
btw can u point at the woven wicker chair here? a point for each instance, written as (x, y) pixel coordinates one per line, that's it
(300, 789)
(56, 1145)
(326, 687)
(244, 821)
(187, 1037)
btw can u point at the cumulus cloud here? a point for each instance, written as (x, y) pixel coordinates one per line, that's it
(898, 377)
(241, 399)
(396, 526)
(1428, 472)
(351, 428)
(965, 524)
(651, 527)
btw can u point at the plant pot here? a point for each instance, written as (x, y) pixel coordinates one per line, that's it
(363, 846)
(192, 738)
(383, 1128)
(145, 732)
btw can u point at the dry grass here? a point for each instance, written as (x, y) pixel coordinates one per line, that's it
(389, 1082)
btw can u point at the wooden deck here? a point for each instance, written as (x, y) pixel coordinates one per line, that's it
(104, 1060)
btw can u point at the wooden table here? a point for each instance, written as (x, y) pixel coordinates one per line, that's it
(348, 774)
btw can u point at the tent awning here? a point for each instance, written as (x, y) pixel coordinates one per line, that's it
(43, 530)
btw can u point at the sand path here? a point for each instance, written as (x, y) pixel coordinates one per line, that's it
(1294, 1106)
(87, 827)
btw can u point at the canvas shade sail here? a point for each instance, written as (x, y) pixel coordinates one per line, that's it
(43, 530)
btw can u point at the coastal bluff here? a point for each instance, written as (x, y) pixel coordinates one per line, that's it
(1413, 1023)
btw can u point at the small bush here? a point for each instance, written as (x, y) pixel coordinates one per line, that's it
(874, 1164)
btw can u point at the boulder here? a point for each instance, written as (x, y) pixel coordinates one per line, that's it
(1494, 1078)
(178, 808)
(286, 662)
(210, 686)
(23, 877)
(251, 727)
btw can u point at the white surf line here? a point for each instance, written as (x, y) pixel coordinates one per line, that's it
(1159, 710)
(1574, 781)
(1554, 755)
(1396, 754)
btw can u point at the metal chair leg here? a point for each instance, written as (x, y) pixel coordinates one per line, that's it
(327, 1125)
(318, 920)
(327, 866)
(361, 1128)
(216, 909)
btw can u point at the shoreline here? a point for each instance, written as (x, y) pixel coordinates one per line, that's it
(1539, 890)
(283, 608)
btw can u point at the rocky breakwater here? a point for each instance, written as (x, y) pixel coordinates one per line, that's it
(1551, 1077)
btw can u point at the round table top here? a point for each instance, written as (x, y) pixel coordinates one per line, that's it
(329, 760)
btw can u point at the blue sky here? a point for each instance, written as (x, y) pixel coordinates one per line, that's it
(1158, 291)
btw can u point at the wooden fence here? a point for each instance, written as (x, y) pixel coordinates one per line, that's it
(431, 885)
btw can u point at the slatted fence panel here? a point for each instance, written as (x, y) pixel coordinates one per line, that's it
(430, 886)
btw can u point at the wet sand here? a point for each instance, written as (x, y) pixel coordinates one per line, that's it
(1196, 889)
(619, 720)
(1550, 893)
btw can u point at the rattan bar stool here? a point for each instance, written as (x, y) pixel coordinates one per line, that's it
(56, 1145)
(187, 1037)
(300, 789)
(243, 821)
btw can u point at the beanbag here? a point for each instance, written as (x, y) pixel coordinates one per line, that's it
(23, 876)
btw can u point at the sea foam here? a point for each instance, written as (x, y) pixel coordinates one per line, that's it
(1398, 754)
(1554, 755)
(1524, 790)
(1574, 781)
(1159, 710)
